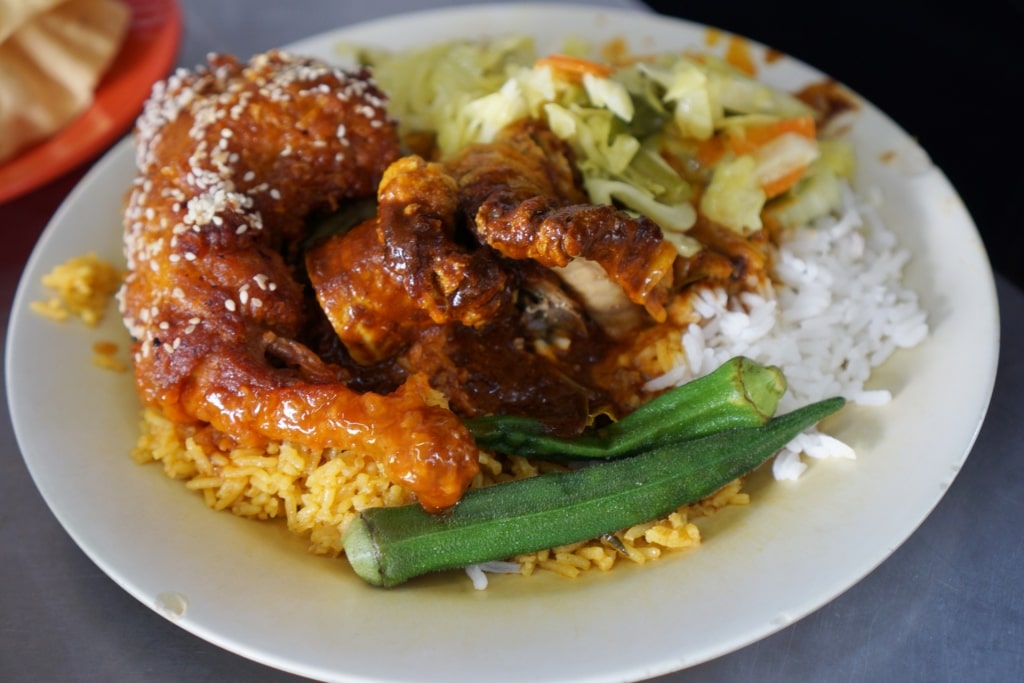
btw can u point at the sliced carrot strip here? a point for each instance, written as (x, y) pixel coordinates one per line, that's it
(753, 137)
(574, 67)
(710, 151)
(737, 53)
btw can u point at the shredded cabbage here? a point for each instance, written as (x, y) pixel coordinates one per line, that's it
(787, 153)
(606, 93)
(819, 192)
(687, 88)
(738, 93)
(429, 87)
(734, 196)
(637, 133)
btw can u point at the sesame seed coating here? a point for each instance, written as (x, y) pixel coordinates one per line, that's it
(220, 199)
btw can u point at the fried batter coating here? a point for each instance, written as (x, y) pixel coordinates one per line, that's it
(416, 223)
(232, 159)
(727, 259)
(523, 196)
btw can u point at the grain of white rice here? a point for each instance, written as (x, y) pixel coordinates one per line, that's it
(836, 310)
(478, 572)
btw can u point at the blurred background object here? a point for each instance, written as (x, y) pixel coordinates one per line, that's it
(50, 63)
(73, 77)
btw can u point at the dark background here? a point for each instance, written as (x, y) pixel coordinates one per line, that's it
(950, 73)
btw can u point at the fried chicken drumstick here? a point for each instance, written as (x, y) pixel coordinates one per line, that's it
(232, 159)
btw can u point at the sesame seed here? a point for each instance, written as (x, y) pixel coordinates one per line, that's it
(230, 305)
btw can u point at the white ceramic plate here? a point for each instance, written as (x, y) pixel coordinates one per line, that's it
(252, 589)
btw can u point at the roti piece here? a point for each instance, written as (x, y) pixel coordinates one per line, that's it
(51, 63)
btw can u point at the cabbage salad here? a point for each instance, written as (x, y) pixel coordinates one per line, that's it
(666, 135)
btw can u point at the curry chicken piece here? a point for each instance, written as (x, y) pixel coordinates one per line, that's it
(454, 277)
(453, 236)
(484, 369)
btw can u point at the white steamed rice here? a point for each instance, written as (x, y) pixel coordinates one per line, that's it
(836, 310)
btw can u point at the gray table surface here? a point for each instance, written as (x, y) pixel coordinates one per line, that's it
(946, 606)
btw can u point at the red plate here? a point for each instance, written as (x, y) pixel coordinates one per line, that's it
(149, 51)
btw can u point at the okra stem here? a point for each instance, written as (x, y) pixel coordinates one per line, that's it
(387, 546)
(739, 393)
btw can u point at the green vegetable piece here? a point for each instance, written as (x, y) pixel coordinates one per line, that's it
(388, 546)
(739, 393)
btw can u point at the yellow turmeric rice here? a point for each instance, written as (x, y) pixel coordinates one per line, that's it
(316, 493)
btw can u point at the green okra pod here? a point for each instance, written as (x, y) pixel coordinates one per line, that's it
(739, 393)
(387, 546)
